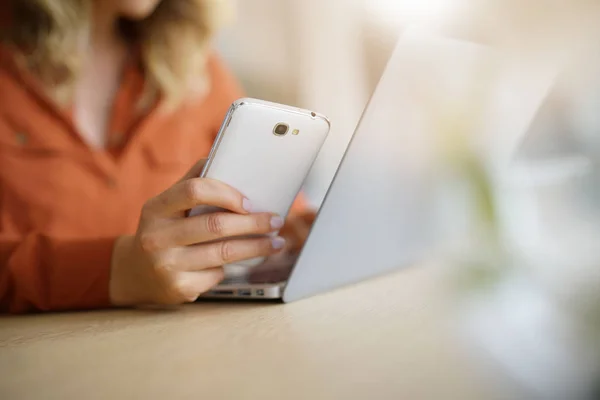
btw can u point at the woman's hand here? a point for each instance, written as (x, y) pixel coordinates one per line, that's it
(173, 259)
(296, 229)
(278, 268)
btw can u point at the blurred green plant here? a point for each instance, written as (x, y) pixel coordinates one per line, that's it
(457, 124)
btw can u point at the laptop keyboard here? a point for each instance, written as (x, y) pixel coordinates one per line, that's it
(234, 280)
(276, 269)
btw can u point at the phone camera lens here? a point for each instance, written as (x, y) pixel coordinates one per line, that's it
(280, 129)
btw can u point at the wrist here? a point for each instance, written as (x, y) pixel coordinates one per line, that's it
(120, 263)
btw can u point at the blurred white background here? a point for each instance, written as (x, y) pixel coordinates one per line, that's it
(325, 55)
(328, 55)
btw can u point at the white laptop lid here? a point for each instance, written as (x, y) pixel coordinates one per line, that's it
(383, 209)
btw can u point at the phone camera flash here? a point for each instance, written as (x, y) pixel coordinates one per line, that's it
(295, 131)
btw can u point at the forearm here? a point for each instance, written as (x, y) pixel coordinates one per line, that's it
(42, 273)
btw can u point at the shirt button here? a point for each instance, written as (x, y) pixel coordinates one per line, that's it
(21, 138)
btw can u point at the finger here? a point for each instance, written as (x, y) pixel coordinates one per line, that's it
(192, 284)
(296, 232)
(200, 257)
(194, 192)
(195, 170)
(301, 230)
(214, 226)
(309, 217)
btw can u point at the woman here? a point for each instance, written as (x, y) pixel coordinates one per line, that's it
(104, 105)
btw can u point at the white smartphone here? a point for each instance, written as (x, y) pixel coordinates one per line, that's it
(265, 150)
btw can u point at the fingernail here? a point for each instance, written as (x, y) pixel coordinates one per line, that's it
(276, 222)
(278, 242)
(247, 205)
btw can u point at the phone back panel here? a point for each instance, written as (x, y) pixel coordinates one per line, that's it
(266, 168)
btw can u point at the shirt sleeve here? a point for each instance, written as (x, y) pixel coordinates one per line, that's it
(226, 90)
(41, 273)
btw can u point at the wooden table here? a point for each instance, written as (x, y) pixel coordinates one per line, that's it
(381, 339)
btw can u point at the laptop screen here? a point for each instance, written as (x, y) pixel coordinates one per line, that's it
(411, 180)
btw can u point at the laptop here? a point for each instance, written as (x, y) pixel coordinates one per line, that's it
(382, 210)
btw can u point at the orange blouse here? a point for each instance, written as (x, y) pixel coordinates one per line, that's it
(62, 204)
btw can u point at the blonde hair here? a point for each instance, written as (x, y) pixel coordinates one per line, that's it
(173, 43)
